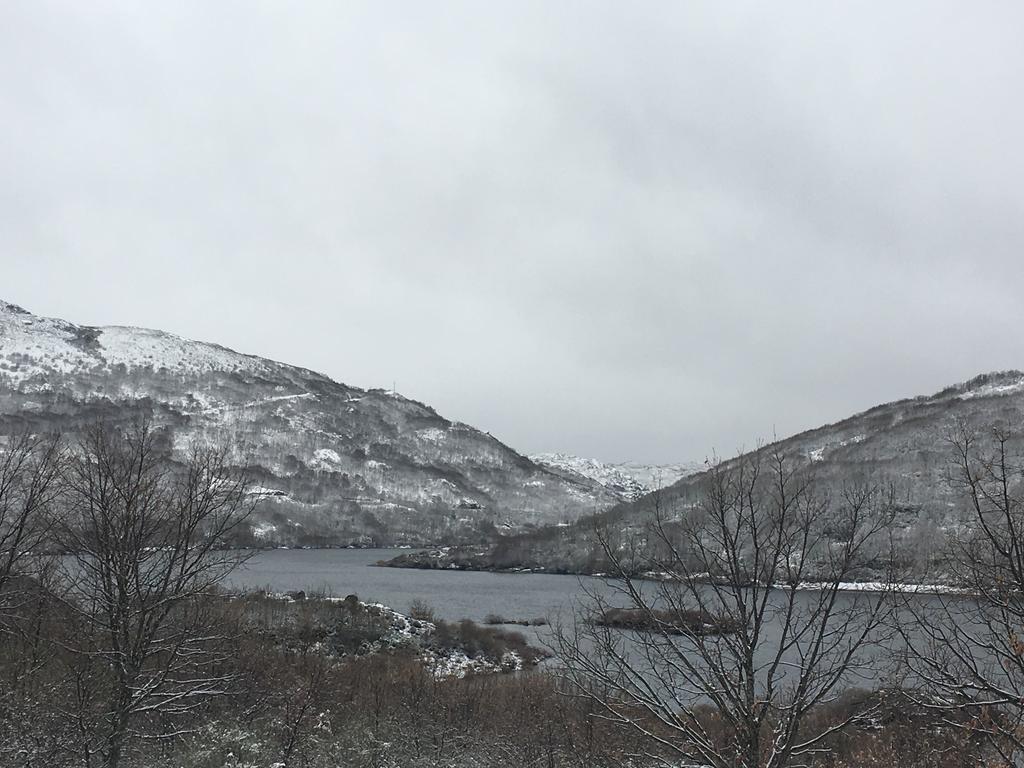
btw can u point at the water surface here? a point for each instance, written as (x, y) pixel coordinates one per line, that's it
(455, 595)
(452, 594)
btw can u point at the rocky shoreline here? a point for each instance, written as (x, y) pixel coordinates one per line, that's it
(347, 627)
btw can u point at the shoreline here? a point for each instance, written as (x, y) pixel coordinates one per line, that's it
(874, 585)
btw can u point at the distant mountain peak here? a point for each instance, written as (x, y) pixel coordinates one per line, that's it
(14, 309)
(628, 480)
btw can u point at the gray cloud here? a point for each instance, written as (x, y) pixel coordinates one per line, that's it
(639, 232)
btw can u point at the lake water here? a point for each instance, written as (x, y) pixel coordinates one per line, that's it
(473, 595)
(453, 595)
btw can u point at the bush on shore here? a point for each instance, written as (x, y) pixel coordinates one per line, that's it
(670, 622)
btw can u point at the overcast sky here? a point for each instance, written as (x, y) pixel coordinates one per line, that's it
(624, 230)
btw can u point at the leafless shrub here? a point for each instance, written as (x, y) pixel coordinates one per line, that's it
(29, 491)
(421, 611)
(966, 650)
(146, 540)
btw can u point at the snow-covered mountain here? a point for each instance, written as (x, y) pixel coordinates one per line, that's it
(629, 480)
(334, 463)
(903, 445)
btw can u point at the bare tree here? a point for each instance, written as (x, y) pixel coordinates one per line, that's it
(966, 648)
(742, 627)
(29, 490)
(147, 539)
(29, 473)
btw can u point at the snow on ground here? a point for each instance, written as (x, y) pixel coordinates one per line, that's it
(818, 454)
(258, 403)
(144, 348)
(325, 460)
(263, 530)
(881, 586)
(458, 664)
(432, 434)
(993, 389)
(266, 493)
(36, 346)
(407, 631)
(844, 586)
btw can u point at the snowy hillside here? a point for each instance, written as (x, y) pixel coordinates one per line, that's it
(35, 347)
(628, 481)
(333, 464)
(901, 445)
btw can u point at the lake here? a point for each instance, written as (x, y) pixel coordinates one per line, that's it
(452, 594)
(455, 595)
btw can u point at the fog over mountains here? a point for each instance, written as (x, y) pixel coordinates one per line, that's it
(338, 465)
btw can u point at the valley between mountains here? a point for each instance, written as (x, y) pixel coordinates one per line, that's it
(331, 464)
(336, 465)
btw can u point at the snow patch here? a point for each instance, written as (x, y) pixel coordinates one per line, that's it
(33, 346)
(266, 493)
(263, 530)
(432, 434)
(144, 348)
(325, 460)
(994, 390)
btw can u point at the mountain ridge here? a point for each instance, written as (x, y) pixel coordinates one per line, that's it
(902, 444)
(348, 466)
